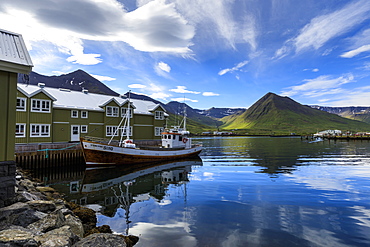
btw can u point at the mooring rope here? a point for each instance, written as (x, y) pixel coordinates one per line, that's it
(56, 149)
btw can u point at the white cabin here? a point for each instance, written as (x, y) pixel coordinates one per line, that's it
(176, 139)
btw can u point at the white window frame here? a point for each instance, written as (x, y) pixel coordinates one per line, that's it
(123, 131)
(39, 130)
(159, 115)
(41, 107)
(158, 131)
(84, 114)
(111, 111)
(22, 104)
(110, 130)
(74, 115)
(124, 110)
(20, 134)
(83, 128)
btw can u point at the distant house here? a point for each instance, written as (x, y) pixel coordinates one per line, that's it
(49, 115)
(328, 132)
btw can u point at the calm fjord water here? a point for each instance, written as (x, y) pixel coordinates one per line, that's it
(245, 191)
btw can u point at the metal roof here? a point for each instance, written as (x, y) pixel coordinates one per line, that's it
(14, 56)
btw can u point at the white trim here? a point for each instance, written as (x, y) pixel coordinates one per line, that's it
(25, 103)
(160, 115)
(96, 123)
(74, 111)
(87, 114)
(160, 129)
(112, 131)
(144, 125)
(112, 114)
(24, 130)
(60, 122)
(41, 108)
(84, 131)
(39, 133)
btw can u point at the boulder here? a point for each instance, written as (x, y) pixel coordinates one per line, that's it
(50, 222)
(17, 237)
(102, 240)
(41, 205)
(62, 236)
(75, 224)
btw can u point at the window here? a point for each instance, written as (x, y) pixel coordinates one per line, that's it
(112, 111)
(159, 115)
(83, 128)
(20, 130)
(158, 131)
(40, 130)
(74, 114)
(111, 130)
(124, 112)
(21, 104)
(84, 114)
(124, 129)
(40, 105)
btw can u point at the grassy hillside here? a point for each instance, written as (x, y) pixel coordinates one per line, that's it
(273, 114)
(195, 127)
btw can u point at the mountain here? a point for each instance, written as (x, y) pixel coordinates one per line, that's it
(353, 112)
(204, 122)
(220, 112)
(76, 81)
(273, 114)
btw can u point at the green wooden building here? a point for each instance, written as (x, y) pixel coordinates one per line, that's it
(14, 59)
(51, 115)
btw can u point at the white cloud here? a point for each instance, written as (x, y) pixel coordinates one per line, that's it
(315, 70)
(136, 86)
(182, 89)
(210, 94)
(162, 69)
(159, 96)
(155, 26)
(355, 52)
(319, 86)
(103, 77)
(235, 68)
(323, 28)
(184, 99)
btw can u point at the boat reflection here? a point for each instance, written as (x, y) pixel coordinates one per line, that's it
(107, 189)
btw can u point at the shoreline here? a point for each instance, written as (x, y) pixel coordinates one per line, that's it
(39, 216)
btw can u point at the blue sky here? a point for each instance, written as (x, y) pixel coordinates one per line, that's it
(210, 53)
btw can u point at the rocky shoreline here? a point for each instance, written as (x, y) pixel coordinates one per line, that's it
(38, 216)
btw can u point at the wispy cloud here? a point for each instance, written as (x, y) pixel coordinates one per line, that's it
(323, 28)
(162, 69)
(322, 85)
(360, 44)
(182, 89)
(103, 77)
(210, 94)
(235, 68)
(136, 86)
(153, 27)
(184, 99)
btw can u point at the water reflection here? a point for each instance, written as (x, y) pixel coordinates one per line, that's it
(107, 190)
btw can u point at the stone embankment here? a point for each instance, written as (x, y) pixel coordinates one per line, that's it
(38, 216)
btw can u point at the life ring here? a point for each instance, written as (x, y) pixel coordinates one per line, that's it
(184, 140)
(128, 141)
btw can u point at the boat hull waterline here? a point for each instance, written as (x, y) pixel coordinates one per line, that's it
(99, 154)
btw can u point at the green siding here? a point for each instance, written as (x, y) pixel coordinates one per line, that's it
(8, 92)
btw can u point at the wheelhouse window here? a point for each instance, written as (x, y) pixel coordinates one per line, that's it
(74, 114)
(124, 111)
(40, 130)
(112, 111)
(111, 130)
(83, 128)
(20, 130)
(159, 115)
(40, 105)
(21, 104)
(84, 114)
(158, 131)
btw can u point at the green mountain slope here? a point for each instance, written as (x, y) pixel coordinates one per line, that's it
(273, 114)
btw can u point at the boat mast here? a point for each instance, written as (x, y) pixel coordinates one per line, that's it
(128, 113)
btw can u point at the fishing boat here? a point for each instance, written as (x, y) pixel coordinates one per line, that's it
(175, 144)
